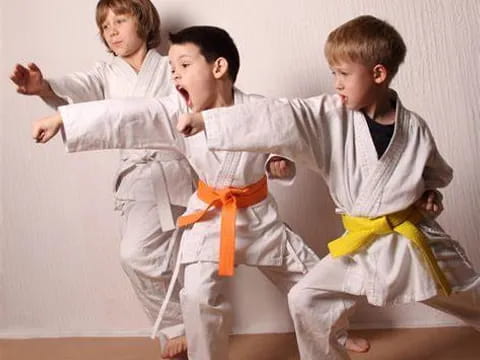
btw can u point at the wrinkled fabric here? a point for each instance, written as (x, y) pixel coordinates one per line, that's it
(334, 141)
(262, 239)
(322, 134)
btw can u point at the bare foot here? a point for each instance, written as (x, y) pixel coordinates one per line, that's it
(357, 344)
(175, 348)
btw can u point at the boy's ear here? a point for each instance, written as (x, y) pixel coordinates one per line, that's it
(380, 74)
(220, 68)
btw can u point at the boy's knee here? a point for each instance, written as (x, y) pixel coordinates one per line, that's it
(130, 257)
(198, 296)
(300, 298)
(202, 296)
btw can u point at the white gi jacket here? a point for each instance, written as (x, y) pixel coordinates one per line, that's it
(168, 171)
(261, 238)
(327, 137)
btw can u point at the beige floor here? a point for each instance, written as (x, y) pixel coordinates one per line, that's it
(402, 344)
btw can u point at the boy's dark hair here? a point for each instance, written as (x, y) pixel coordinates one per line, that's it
(369, 41)
(213, 43)
(145, 13)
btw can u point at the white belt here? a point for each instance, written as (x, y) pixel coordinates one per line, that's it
(159, 182)
(171, 285)
(161, 155)
(161, 196)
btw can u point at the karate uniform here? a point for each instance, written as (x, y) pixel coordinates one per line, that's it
(262, 239)
(325, 136)
(151, 188)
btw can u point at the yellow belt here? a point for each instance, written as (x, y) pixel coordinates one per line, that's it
(362, 231)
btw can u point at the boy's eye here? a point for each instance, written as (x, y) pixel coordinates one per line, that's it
(185, 65)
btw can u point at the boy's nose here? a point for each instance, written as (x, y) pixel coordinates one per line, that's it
(113, 32)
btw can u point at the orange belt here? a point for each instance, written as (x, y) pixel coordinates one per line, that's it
(228, 199)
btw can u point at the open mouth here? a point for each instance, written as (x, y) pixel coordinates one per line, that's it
(185, 95)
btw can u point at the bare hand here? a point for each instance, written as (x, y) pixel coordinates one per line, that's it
(279, 167)
(430, 203)
(29, 80)
(44, 129)
(190, 124)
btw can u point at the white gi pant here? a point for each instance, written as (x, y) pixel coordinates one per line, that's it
(207, 314)
(148, 256)
(320, 307)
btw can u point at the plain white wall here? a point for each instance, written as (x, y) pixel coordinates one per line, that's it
(59, 271)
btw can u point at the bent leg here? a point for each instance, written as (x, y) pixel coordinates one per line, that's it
(207, 314)
(147, 256)
(320, 308)
(462, 305)
(299, 262)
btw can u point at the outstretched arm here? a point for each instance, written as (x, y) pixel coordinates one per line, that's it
(300, 129)
(131, 123)
(29, 81)
(46, 128)
(80, 86)
(190, 124)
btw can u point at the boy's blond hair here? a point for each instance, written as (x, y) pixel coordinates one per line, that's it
(145, 13)
(368, 41)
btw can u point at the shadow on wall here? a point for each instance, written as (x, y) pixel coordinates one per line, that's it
(167, 27)
(307, 208)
